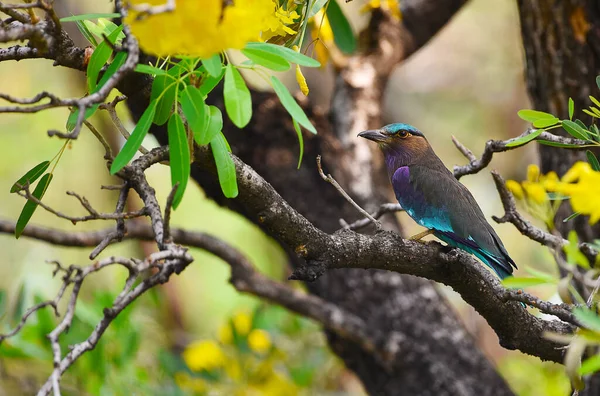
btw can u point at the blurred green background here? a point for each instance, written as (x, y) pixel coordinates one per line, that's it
(468, 82)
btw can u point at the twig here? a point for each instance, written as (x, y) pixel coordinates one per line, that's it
(328, 178)
(383, 209)
(168, 209)
(561, 311)
(498, 146)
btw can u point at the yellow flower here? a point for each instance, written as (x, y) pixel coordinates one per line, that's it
(259, 341)
(277, 24)
(201, 28)
(535, 192)
(243, 323)
(533, 173)
(301, 81)
(577, 170)
(584, 190)
(322, 36)
(203, 355)
(515, 188)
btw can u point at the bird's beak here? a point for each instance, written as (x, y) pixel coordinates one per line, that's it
(374, 135)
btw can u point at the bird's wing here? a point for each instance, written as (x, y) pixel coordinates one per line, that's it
(454, 205)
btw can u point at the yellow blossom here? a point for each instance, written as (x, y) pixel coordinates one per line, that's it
(242, 323)
(577, 170)
(582, 185)
(202, 28)
(535, 191)
(533, 173)
(259, 341)
(301, 81)
(277, 23)
(203, 355)
(515, 188)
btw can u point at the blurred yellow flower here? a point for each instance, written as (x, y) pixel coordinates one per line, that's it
(582, 185)
(515, 188)
(207, 27)
(203, 355)
(259, 341)
(533, 193)
(242, 323)
(301, 81)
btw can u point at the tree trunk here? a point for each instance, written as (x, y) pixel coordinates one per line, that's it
(561, 39)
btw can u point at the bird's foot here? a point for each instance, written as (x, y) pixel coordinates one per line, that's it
(420, 235)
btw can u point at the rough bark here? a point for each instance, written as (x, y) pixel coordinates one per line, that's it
(561, 39)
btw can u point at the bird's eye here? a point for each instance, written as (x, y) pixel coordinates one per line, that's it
(403, 134)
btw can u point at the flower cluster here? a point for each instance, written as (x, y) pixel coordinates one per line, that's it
(208, 27)
(541, 194)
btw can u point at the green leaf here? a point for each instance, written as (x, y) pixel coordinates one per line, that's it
(99, 57)
(32, 175)
(524, 139)
(593, 160)
(195, 110)
(317, 5)
(300, 141)
(542, 275)
(575, 130)
(514, 282)
(586, 317)
(586, 111)
(288, 101)
(209, 83)
(286, 53)
(20, 304)
(179, 156)
(571, 108)
(163, 91)
(545, 122)
(598, 81)
(148, 69)
(342, 32)
(267, 59)
(236, 94)
(135, 140)
(215, 125)
(83, 17)
(533, 115)
(225, 166)
(86, 33)
(31, 206)
(590, 365)
(556, 144)
(115, 65)
(571, 217)
(213, 65)
(594, 100)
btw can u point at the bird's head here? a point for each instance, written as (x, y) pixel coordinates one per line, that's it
(402, 144)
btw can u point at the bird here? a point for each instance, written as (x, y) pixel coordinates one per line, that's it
(435, 199)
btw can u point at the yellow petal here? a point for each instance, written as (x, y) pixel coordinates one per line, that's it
(301, 81)
(535, 192)
(259, 341)
(533, 173)
(515, 188)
